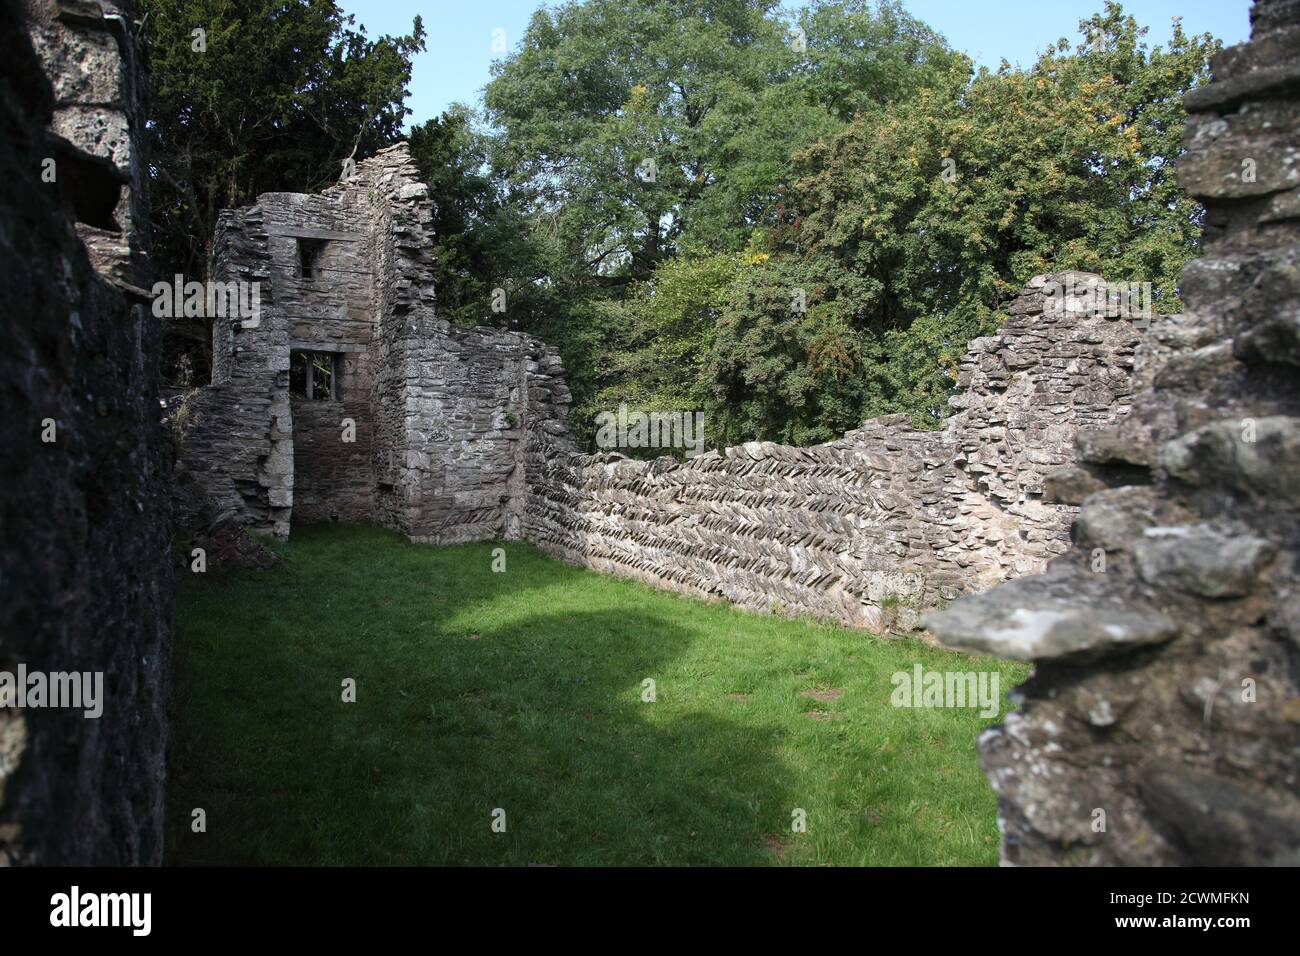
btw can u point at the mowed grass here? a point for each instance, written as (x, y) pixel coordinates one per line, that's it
(522, 691)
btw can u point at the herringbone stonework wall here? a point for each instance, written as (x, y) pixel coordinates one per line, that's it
(870, 529)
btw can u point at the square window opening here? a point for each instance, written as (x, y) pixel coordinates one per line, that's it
(313, 376)
(309, 257)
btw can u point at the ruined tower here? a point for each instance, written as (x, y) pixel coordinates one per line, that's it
(345, 398)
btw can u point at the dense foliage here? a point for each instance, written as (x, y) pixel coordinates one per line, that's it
(909, 230)
(792, 221)
(839, 202)
(636, 138)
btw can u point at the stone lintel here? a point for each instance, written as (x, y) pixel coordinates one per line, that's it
(308, 346)
(302, 232)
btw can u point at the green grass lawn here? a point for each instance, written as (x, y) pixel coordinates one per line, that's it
(523, 691)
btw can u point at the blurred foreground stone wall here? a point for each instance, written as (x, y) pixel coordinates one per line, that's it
(1162, 722)
(85, 573)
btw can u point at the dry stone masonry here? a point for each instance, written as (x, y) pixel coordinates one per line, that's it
(1165, 701)
(1155, 475)
(461, 434)
(85, 571)
(889, 519)
(413, 423)
(93, 58)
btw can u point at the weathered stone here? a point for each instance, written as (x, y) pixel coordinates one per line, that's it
(95, 62)
(440, 415)
(1219, 821)
(1200, 560)
(462, 434)
(1285, 618)
(1277, 340)
(1186, 751)
(1040, 618)
(864, 530)
(1070, 485)
(1113, 518)
(86, 562)
(1257, 456)
(1111, 445)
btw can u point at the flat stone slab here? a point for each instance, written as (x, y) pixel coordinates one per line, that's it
(1058, 615)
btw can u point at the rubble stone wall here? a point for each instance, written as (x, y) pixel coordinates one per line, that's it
(94, 62)
(331, 477)
(461, 434)
(1161, 725)
(237, 454)
(85, 568)
(888, 520)
(437, 413)
(450, 402)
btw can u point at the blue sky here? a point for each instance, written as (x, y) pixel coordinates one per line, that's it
(460, 32)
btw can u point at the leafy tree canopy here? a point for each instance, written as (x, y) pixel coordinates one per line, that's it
(637, 127)
(900, 236)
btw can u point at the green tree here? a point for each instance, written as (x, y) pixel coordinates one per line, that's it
(631, 132)
(636, 127)
(913, 227)
(861, 56)
(471, 221)
(657, 346)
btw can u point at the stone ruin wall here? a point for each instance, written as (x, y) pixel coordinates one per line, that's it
(1138, 705)
(94, 61)
(85, 569)
(236, 461)
(454, 401)
(439, 411)
(1179, 586)
(462, 435)
(886, 521)
(1165, 699)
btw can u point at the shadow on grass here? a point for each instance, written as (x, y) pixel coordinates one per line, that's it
(537, 712)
